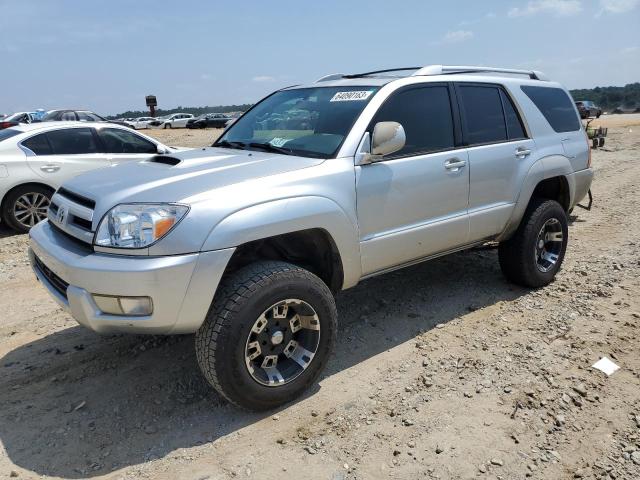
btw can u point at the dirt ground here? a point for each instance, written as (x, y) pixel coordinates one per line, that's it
(442, 370)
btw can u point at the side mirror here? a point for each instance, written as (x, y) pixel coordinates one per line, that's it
(162, 150)
(388, 138)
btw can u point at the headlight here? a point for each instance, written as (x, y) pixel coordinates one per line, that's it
(138, 225)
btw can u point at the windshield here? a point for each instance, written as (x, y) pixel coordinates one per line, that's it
(305, 121)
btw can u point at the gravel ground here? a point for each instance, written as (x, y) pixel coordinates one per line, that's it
(442, 370)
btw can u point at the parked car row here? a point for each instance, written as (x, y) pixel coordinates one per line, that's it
(54, 116)
(35, 159)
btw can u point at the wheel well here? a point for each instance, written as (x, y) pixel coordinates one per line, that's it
(37, 184)
(554, 188)
(312, 249)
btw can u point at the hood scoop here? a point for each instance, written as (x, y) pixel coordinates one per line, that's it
(165, 160)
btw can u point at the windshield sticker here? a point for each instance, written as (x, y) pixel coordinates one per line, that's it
(278, 142)
(351, 96)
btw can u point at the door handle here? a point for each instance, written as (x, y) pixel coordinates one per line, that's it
(522, 152)
(454, 164)
(50, 168)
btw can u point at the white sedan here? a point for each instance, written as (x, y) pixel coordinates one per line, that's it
(140, 122)
(36, 159)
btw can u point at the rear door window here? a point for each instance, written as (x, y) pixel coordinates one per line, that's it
(556, 106)
(38, 144)
(515, 130)
(122, 141)
(482, 114)
(72, 141)
(8, 133)
(425, 114)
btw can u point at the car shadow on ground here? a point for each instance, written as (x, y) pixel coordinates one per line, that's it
(5, 231)
(76, 405)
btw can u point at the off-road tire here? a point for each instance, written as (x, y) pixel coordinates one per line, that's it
(517, 255)
(8, 215)
(240, 300)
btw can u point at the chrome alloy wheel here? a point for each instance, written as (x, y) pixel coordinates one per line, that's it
(31, 208)
(549, 245)
(282, 342)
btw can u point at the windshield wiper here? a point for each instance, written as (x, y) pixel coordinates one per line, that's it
(271, 148)
(228, 144)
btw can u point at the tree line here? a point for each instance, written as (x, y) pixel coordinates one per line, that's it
(180, 109)
(611, 98)
(607, 98)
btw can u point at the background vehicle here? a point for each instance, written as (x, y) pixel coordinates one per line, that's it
(209, 120)
(15, 119)
(312, 190)
(78, 115)
(140, 122)
(36, 159)
(588, 109)
(175, 120)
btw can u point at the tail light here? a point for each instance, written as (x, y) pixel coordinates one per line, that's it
(7, 124)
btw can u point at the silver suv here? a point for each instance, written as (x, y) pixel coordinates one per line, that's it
(314, 189)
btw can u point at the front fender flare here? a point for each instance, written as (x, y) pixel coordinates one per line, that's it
(290, 215)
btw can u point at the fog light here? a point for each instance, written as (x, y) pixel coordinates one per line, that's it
(130, 306)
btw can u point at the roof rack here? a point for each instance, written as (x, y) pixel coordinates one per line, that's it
(440, 70)
(460, 69)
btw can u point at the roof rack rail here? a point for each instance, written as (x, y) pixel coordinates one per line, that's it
(333, 76)
(338, 76)
(460, 69)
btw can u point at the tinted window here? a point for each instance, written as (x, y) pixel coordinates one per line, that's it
(121, 141)
(72, 141)
(482, 109)
(88, 117)
(515, 131)
(68, 116)
(38, 144)
(425, 114)
(8, 133)
(556, 106)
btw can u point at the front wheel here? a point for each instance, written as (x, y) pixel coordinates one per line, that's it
(534, 254)
(25, 206)
(268, 334)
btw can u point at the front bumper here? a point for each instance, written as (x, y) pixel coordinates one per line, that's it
(181, 286)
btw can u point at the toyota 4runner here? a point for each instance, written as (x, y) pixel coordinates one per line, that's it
(314, 189)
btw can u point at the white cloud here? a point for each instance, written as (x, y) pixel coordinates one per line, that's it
(559, 8)
(263, 78)
(205, 76)
(457, 36)
(618, 6)
(630, 50)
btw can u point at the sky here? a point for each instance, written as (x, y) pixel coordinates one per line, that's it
(106, 56)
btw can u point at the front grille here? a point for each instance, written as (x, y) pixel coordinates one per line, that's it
(72, 214)
(56, 282)
(79, 199)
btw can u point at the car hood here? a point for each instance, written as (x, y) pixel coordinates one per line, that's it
(179, 176)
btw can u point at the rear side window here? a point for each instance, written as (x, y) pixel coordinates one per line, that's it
(68, 116)
(556, 106)
(482, 114)
(38, 144)
(425, 114)
(515, 130)
(72, 141)
(122, 141)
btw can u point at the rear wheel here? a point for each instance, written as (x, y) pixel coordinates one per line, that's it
(268, 334)
(534, 254)
(25, 206)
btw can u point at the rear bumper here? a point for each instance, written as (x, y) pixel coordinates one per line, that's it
(581, 181)
(181, 286)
